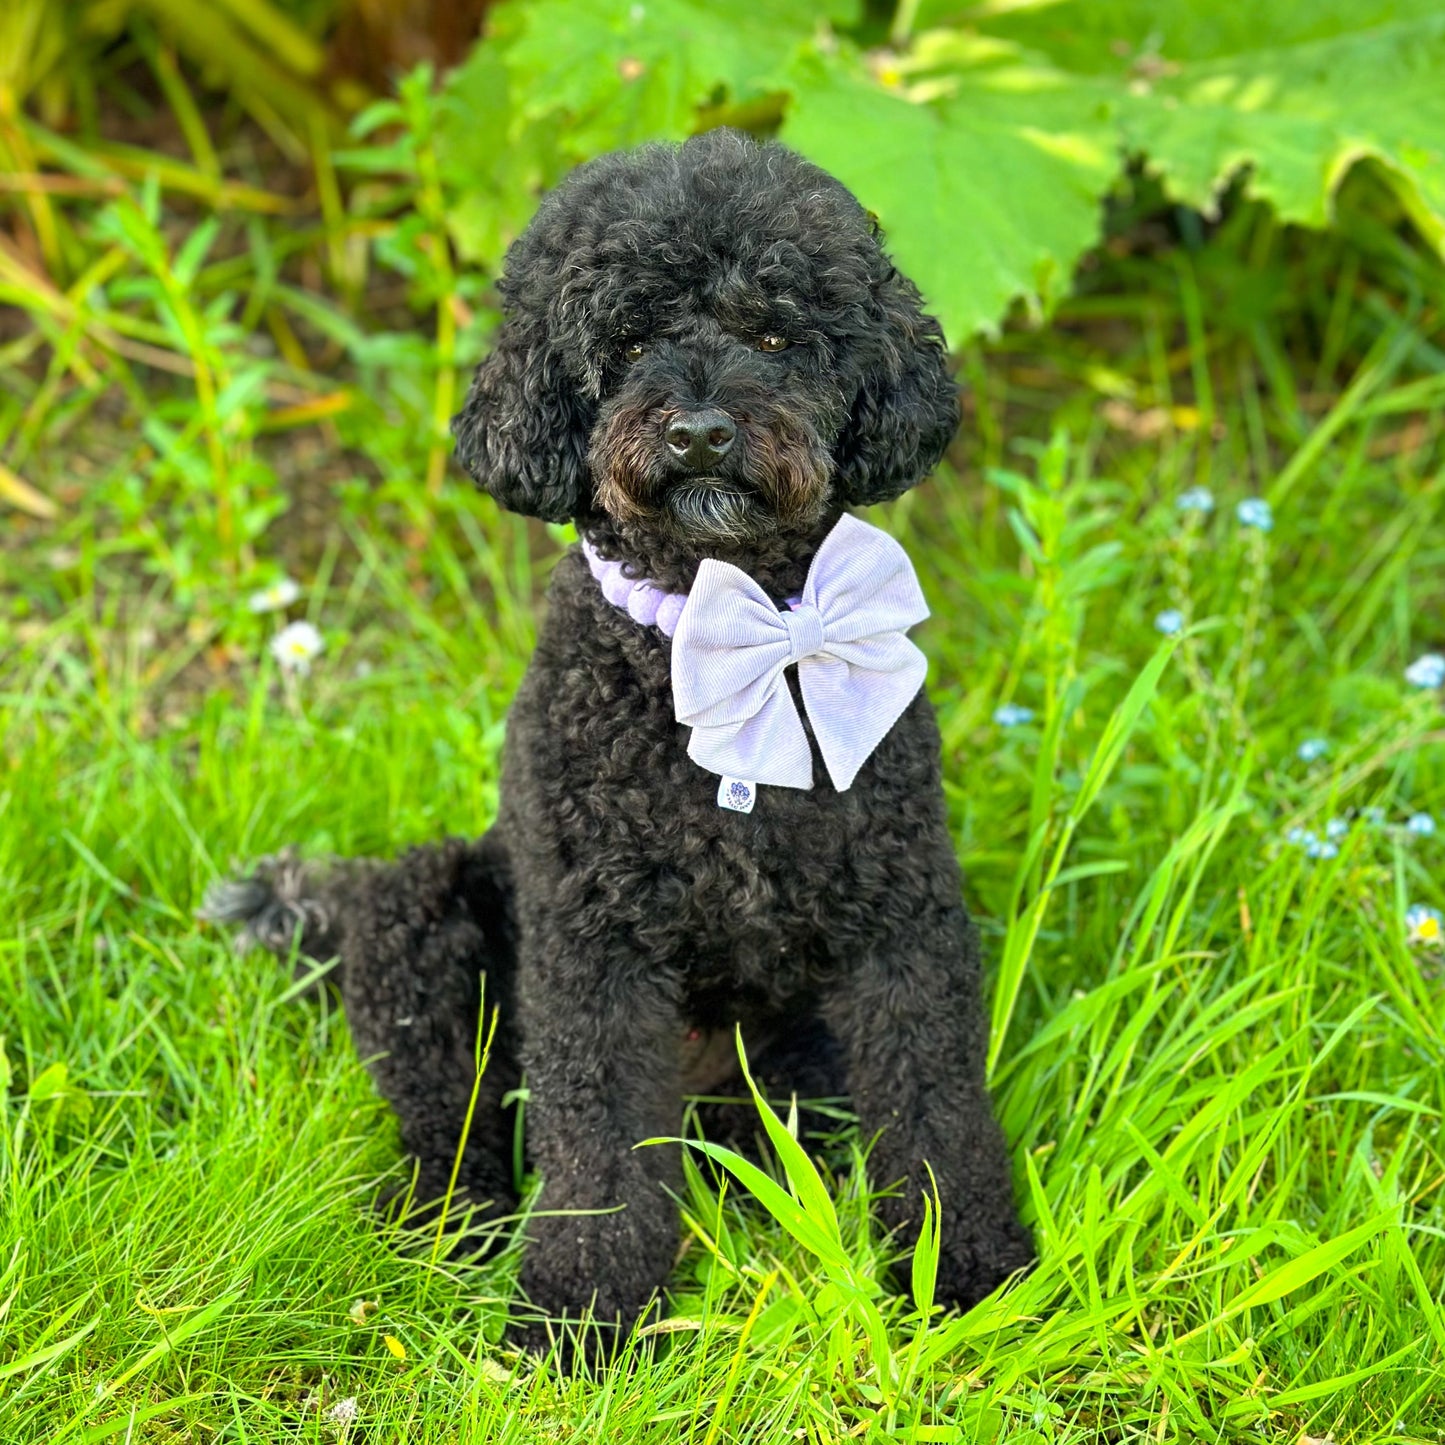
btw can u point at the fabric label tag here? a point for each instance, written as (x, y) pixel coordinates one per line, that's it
(736, 795)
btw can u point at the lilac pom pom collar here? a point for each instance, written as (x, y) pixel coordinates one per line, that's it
(642, 601)
(731, 645)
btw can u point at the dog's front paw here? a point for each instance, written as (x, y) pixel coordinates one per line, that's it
(977, 1257)
(590, 1279)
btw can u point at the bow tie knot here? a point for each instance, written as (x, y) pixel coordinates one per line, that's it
(857, 671)
(805, 631)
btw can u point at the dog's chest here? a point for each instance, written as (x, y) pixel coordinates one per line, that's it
(717, 888)
(757, 897)
(766, 900)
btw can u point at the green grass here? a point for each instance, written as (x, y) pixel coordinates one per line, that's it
(1220, 1063)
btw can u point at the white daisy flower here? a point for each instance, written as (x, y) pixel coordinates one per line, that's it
(295, 646)
(278, 595)
(1425, 924)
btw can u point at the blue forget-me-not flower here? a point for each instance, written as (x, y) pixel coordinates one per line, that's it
(1426, 671)
(1255, 512)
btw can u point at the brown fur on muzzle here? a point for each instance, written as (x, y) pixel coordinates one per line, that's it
(778, 463)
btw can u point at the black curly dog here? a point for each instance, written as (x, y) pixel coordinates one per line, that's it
(705, 353)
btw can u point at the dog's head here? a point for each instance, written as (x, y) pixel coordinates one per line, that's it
(706, 341)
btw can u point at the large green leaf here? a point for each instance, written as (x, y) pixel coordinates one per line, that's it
(494, 160)
(1294, 90)
(1123, 37)
(626, 72)
(1299, 117)
(987, 195)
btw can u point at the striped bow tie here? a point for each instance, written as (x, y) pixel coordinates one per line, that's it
(856, 669)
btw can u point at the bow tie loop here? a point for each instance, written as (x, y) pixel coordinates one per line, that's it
(856, 668)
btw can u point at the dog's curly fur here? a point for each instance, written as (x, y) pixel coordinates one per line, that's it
(621, 918)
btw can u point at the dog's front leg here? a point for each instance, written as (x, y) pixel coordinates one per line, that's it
(909, 1017)
(601, 1026)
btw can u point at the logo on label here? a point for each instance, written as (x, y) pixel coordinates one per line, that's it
(737, 795)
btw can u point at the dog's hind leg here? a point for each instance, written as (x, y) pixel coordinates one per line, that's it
(415, 939)
(428, 940)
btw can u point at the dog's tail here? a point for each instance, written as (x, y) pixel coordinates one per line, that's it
(283, 904)
(337, 908)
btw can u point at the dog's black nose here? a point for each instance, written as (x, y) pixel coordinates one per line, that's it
(700, 439)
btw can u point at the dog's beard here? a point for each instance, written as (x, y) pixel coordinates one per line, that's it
(777, 480)
(708, 509)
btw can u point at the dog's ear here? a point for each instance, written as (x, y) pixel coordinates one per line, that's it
(906, 408)
(522, 434)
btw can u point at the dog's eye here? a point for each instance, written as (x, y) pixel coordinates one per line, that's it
(633, 350)
(772, 342)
